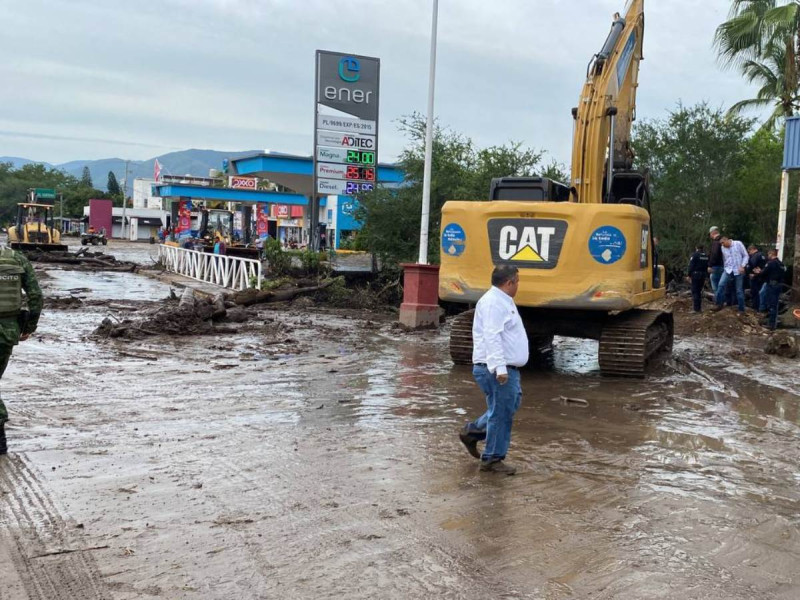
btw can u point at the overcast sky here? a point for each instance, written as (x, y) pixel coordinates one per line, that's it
(89, 79)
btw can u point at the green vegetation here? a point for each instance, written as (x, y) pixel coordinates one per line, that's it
(707, 168)
(15, 183)
(762, 39)
(113, 185)
(460, 171)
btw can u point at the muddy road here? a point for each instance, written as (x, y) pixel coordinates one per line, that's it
(314, 455)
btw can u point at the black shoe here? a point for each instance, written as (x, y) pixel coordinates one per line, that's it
(3, 445)
(497, 466)
(470, 442)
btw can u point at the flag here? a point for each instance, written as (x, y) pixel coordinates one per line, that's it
(157, 171)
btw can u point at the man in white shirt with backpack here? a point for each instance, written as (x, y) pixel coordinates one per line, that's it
(500, 348)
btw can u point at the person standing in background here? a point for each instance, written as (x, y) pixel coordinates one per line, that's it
(715, 260)
(698, 271)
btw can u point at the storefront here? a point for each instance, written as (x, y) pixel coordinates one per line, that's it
(337, 213)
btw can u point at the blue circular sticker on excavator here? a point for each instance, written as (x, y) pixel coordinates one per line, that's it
(454, 240)
(607, 244)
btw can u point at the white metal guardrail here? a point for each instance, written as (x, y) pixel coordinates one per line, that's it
(226, 271)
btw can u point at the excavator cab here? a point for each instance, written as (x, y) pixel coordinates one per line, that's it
(532, 189)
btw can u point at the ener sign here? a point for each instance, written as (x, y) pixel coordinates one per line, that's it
(346, 123)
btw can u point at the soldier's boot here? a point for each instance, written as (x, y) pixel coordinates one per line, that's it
(3, 445)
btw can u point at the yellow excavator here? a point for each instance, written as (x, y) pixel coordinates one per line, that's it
(35, 228)
(584, 250)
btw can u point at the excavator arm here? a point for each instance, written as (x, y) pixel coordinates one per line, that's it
(607, 106)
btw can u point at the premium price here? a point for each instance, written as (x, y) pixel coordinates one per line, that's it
(363, 173)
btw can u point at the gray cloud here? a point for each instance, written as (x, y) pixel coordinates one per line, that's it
(92, 78)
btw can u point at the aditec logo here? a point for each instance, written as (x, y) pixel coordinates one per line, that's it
(349, 69)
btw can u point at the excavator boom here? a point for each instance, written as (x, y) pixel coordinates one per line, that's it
(607, 109)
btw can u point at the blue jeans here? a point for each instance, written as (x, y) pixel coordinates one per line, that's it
(502, 403)
(716, 273)
(772, 300)
(723, 286)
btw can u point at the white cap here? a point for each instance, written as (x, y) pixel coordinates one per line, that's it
(713, 229)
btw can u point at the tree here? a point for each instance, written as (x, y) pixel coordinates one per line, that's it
(113, 186)
(14, 184)
(707, 168)
(775, 90)
(762, 37)
(460, 171)
(86, 178)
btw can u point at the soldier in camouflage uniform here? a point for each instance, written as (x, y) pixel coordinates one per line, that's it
(16, 324)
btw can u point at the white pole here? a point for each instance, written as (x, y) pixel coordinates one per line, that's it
(124, 183)
(781, 241)
(426, 179)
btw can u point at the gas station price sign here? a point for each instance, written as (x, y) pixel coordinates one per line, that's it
(361, 157)
(346, 123)
(353, 187)
(362, 173)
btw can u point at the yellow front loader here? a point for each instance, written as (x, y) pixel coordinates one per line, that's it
(584, 249)
(35, 230)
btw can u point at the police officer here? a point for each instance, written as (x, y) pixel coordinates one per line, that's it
(16, 324)
(754, 271)
(698, 270)
(773, 275)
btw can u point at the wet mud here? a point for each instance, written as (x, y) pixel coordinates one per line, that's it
(314, 455)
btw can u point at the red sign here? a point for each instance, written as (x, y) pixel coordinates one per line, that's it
(184, 217)
(282, 211)
(262, 220)
(243, 183)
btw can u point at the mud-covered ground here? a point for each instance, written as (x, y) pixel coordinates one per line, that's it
(314, 455)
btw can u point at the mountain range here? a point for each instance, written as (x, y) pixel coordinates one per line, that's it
(184, 162)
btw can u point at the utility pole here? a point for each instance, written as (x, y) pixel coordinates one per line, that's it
(61, 214)
(124, 202)
(426, 179)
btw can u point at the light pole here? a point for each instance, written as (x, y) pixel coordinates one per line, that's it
(426, 177)
(420, 307)
(124, 203)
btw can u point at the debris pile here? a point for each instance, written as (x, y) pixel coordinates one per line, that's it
(82, 260)
(782, 343)
(198, 316)
(191, 316)
(728, 322)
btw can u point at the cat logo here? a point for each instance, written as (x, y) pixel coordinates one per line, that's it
(527, 243)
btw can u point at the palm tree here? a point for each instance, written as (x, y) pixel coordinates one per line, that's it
(755, 24)
(762, 38)
(775, 90)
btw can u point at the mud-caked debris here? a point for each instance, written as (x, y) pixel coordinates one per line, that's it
(191, 316)
(82, 260)
(782, 343)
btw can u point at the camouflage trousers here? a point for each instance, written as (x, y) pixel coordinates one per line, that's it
(5, 355)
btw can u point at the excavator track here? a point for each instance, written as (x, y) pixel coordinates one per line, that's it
(541, 347)
(461, 338)
(630, 340)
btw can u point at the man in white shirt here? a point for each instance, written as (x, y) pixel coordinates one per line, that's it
(735, 259)
(500, 348)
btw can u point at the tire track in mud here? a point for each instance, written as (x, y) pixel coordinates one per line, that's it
(35, 534)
